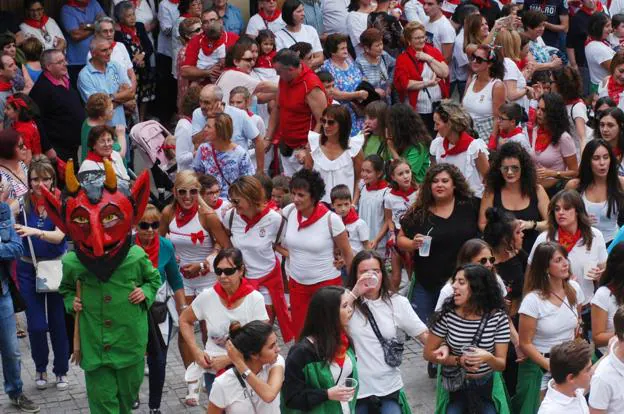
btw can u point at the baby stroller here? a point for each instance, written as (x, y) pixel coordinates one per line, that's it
(150, 153)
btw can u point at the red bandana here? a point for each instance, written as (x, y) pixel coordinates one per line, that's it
(617, 152)
(515, 131)
(16, 102)
(598, 8)
(255, 219)
(268, 19)
(542, 140)
(614, 89)
(377, 185)
(319, 211)
(81, 4)
(403, 193)
(244, 289)
(92, 156)
(460, 146)
(351, 217)
(132, 32)
(152, 249)
(568, 240)
(273, 205)
(37, 24)
(218, 204)
(592, 39)
(341, 352)
(266, 61)
(5, 86)
(209, 46)
(521, 63)
(187, 15)
(183, 216)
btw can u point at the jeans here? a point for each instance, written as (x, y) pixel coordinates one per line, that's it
(9, 348)
(387, 407)
(157, 363)
(208, 381)
(423, 301)
(41, 320)
(478, 389)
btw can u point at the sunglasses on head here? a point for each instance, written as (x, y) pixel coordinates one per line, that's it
(144, 225)
(228, 271)
(183, 192)
(484, 260)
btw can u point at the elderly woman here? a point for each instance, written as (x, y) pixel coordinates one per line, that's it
(376, 65)
(162, 255)
(347, 77)
(45, 312)
(232, 299)
(13, 170)
(420, 74)
(38, 25)
(220, 157)
(99, 110)
(293, 13)
(100, 145)
(134, 37)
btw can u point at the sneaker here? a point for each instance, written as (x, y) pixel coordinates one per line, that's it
(146, 370)
(24, 404)
(41, 381)
(136, 404)
(62, 383)
(155, 411)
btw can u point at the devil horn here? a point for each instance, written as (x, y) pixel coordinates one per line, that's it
(110, 181)
(71, 182)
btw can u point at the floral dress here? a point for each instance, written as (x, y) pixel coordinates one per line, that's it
(347, 80)
(146, 75)
(226, 167)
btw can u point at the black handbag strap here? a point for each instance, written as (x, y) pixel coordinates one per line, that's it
(243, 384)
(477, 337)
(373, 322)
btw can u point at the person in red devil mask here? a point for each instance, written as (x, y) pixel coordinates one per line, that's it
(109, 283)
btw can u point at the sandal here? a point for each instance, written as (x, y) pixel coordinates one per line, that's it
(21, 333)
(192, 398)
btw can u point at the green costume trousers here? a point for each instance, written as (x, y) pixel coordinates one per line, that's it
(112, 391)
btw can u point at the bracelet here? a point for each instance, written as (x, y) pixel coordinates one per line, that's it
(352, 294)
(41, 234)
(183, 307)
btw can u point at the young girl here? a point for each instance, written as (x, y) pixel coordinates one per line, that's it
(210, 191)
(375, 129)
(369, 199)
(264, 64)
(21, 111)
(396, 202)
(509, 128)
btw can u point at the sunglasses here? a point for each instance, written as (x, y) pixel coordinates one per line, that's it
(484, 260)
(144, 225)
(228, 271)
(510, 168)
(328, 122)
(182, 192)
(478, 59)
(247, 59)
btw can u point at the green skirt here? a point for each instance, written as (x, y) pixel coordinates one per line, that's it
(499, 395)
(527, 398)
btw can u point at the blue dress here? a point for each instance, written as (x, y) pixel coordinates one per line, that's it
(347, 80)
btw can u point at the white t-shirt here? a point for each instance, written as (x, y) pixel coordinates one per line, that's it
(398, 205)
(460, 58)
(607, 385)
(311, 249)
(466, 161)
(596, 53)
(285, 39)
(447, 291)
(51, 27)
(358, 232)
(557, 403)
(257, 23)
(555, 324)
(440, 32)
(228, 394)
(184, 144)
(357, 22)
(374, 375)
(118, 166)
(119, 55)
(604, 299)
(513, 73)
(205, 61)
(579, 256)
(334, 15)
(207, 307)
(575, 111)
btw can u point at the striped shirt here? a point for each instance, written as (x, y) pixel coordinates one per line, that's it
(458, 332)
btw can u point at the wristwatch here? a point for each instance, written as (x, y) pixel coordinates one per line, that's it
(245, 374)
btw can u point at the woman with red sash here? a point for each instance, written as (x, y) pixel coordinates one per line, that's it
(231, 300)
(256, 229)
(311, 235)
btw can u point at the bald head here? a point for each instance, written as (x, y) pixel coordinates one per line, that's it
(211, 100)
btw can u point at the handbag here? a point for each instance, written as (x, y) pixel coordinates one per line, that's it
(158, 311)
(48, 273)
(392, 348)
(453, 376)
(19, 304)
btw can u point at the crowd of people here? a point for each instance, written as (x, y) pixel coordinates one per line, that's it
(349, 175)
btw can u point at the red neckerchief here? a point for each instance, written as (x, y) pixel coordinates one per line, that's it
(268, 19)
(249, 113)
(460, 146)
(209, 46)
(80, 4)
(5, 86)
(614, 89)
(187, 15)
(515, 131)
(273, 205)
(598, 8)
(403, 193)
(319, 211)
(250, 222)
(183, 216)
(92, 156)
(341, 352)
(132, 32)
(151, 250)
(351, 217)
(244, 289)
(266, 61)
(568, 240)
(617, 152)
(482, 4)
(16, 102)
(377, 185)
(218, 204)
(37, 24)
(521, 63)
(592, 39)
(542, 140)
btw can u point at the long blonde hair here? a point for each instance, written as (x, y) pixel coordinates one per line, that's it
(509, 43)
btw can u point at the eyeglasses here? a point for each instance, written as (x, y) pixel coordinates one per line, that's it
(500, 118)
(484, 260)
(182, 192)
(328, 122)
(196, 30)
(510, 168)
(144, 225)
(247, 59)
(228, 271)
(40, 179)
(478, 59)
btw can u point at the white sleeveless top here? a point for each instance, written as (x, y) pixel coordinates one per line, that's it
(371, 210)
(597, 212)
(338, 171)
(479, 104)
(187, 250)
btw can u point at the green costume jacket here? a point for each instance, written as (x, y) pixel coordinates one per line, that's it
(113, 331)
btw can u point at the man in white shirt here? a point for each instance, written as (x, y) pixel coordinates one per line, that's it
(607, 384)
(440, 31)
(571, 369)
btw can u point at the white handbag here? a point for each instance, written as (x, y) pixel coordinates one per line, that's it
(48, 272)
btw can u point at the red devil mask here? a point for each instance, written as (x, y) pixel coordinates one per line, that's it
(97, 214)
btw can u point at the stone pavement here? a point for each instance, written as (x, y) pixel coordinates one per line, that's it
(420, 389)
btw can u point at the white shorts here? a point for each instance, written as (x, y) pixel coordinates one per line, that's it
(193, 287)
(290, 165)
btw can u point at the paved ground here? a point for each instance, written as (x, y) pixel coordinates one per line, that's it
(420, 389)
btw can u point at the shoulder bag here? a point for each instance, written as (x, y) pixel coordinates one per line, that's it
(48, 272)
(434, 105)
(392, 348)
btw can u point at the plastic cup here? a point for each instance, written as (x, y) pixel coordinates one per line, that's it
(351, 383)
(587, 267)
(373, 279)
(426, 246)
